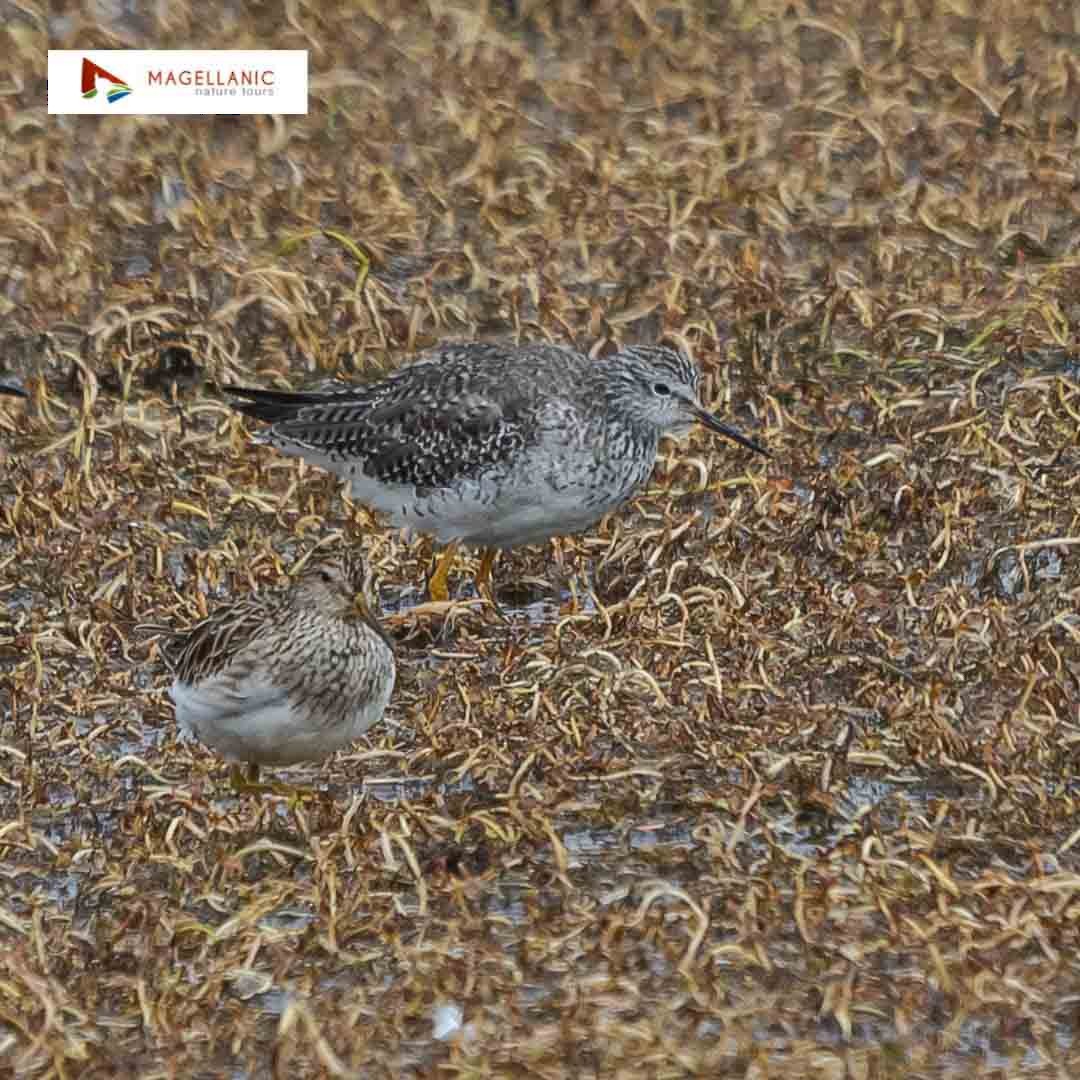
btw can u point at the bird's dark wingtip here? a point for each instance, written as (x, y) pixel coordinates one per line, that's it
(255, 393)
(269, 405)
(13, 390)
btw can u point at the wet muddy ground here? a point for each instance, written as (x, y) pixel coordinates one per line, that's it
(773, 772)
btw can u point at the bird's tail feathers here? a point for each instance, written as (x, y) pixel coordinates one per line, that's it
(272, 405)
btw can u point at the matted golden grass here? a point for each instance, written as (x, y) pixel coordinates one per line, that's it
(772, 773)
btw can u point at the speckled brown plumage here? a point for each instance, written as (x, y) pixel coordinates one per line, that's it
(279, 679)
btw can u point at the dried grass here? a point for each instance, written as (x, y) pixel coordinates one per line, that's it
(787, 780)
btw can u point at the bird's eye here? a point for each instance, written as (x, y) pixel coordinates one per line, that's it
(326, 576)
(661, 388)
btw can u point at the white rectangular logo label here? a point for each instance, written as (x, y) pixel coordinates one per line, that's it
(172, 82)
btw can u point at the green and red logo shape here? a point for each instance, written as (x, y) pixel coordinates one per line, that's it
(91, 73)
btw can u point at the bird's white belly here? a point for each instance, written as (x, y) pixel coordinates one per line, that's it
(472, 516)
(480, 513)
(266, 729)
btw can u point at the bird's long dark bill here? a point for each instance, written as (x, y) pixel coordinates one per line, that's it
(714, 424)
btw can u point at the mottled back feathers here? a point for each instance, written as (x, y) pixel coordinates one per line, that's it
(325, 598)
(449, 415)
(211, 645)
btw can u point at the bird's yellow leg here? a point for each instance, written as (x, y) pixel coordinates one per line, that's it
(245, 781)
(437, 586)
(483, 577)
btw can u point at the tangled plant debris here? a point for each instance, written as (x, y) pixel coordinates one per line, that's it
(773, 770)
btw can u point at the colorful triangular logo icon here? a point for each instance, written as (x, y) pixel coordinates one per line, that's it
(93, 77)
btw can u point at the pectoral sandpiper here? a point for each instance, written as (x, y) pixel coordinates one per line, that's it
(280, 679)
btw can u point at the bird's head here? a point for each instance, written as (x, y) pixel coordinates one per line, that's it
(658, 386)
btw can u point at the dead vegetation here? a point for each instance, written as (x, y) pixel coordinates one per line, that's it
(776, 772)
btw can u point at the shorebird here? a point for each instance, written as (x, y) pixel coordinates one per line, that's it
(278, 679)
(493, 445)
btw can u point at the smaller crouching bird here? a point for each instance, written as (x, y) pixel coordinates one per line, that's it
(280, 679)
